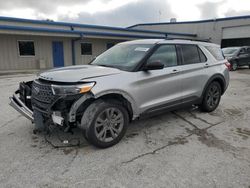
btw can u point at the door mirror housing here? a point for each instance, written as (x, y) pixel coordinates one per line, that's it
(155, 65)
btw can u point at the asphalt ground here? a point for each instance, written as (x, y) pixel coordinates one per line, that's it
(183, 148)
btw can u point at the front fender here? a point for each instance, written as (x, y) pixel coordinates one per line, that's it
(127, 96)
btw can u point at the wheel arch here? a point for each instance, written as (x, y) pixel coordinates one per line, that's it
(118, 95)
(220, 79)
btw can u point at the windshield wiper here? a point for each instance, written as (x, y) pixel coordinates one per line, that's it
(102, 65)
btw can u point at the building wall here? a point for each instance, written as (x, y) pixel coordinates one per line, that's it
(9, 54)
(204, 30)
(10, 59)
(98, 46)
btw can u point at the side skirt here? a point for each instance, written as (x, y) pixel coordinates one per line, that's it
(171, 106)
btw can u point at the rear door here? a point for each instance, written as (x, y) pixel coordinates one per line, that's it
(194, 71)
(160, 88)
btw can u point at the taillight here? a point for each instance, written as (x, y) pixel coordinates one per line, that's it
(228, 65)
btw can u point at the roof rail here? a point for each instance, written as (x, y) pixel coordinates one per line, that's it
(199, 40)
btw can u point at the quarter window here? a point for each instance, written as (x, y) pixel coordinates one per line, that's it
(26, 48)
(216, 52)
(165, 54)
(86, 48)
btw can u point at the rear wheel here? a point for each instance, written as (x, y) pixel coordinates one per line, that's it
(105, 123)
(211, 98)
(234, 66)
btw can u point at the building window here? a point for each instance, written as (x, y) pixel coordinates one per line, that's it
(86, 48)
(110, 45)
(26, 48)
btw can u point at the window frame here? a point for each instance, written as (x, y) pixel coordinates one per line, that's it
(18, 48)
(113, 44)
(181, 54)
(157, 47)
(91, 48)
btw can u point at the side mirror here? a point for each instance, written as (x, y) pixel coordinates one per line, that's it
(155, 65)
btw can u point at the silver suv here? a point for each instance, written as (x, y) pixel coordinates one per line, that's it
(128, 81)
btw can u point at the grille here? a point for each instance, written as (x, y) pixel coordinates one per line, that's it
(42, 95)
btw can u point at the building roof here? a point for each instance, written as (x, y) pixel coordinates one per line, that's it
(192, 22)
(20, 24)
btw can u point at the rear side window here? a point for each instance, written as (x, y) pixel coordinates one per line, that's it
(216, 52)
(192, 54)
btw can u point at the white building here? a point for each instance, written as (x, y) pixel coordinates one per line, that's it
(32, 44)
(231, 31)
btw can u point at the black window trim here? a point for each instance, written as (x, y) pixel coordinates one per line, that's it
(112, 44)
(18, 48)
(181, 54)
(91, 48)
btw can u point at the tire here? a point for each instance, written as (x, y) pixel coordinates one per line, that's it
(104, 123)
(211, 97)
(249, 66)
(234, 66)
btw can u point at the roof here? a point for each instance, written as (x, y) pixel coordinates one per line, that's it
(170, 41)
(193, 22)
(75, 28)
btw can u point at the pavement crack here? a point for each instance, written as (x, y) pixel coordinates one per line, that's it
(10, 121)
(203, 120)
(70, 162)
(184, 119)
(175, 141)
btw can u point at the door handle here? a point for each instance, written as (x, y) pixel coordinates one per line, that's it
(206, 65)
(174, 71)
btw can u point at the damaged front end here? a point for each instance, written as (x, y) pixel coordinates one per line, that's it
(44, 104)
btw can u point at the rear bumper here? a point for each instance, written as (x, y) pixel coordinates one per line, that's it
(19, 106)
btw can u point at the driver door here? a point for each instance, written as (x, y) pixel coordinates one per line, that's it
(160, 88)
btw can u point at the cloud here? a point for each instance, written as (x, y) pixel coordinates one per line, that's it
(43, 6)
(132, 13)
(210, 10)
(232, 12)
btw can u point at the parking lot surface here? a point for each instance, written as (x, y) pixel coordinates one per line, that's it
(184, 148)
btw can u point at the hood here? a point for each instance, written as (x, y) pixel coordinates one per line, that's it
(77, 73)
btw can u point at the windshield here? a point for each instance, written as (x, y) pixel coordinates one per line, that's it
(123, 56)
(230, 50)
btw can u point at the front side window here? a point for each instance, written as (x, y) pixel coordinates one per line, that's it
(243, 51)
(26, 48)
(86, 49)
(123, 56)
(166, 54)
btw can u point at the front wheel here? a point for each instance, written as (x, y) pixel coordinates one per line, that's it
(211, 98)
(105, 123)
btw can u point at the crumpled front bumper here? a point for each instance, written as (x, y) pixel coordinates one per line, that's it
(19, 106)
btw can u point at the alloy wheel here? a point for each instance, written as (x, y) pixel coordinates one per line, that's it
(213, 96)
(109, 124)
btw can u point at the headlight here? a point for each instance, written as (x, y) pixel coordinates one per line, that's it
(72, 89)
